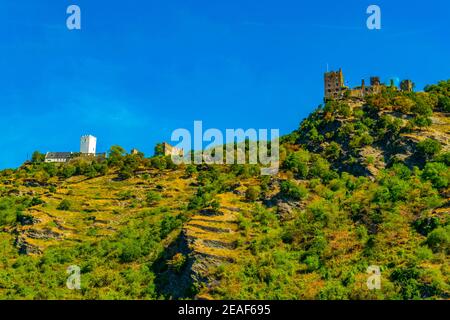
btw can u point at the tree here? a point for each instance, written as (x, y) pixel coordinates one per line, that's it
(444, 103)
(68, 171)
(438, 173)
(403, 104)
(424, 104)
(429, 147)
(439, 239)
(159, 149)
(297, 162)
(153, 197)
(116, 154)
(37, 157)
(333, 151)
(64, 205)
(293, 191)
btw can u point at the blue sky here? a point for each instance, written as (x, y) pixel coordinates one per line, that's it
(140, 69)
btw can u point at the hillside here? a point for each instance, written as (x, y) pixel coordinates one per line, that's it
(363, 182)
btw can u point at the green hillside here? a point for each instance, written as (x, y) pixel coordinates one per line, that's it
(362, 182)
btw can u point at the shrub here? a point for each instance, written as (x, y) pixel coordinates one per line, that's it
(403, 104)
(116, 154)
(297, 162)
(443, 157)
(444, 103)
(168, 224)
(427, 224)
(408, 280)
(190, 170)
(424, 253)
(359, 141)
(153, 197)
(131, 250)
(177, 262)
(263, 215)
(252, 193)
(68, 171)
(429, 147)
(8, 211)
(293, 191)
(64, 205)
(424, 104)
(313, 262)
(421, 121)
(333, 151)
(438, 173)
(320, 167)
(439, 239)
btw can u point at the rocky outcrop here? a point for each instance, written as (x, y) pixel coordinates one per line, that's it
(45, 234)
(25, 247)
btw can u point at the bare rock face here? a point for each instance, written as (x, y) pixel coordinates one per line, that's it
(172, 284)
(284, 211)
(45, 234)
(28, 220)
(25, 247)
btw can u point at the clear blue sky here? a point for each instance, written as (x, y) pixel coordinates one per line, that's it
(140, 69)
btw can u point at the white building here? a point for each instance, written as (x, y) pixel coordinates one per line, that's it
(88, 144)
(58, 156)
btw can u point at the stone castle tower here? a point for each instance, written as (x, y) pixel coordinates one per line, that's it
(336, 89)
(334, 84)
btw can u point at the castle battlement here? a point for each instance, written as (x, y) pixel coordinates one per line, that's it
(335, 87)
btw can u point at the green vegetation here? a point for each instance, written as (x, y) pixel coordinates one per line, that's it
(361, 183)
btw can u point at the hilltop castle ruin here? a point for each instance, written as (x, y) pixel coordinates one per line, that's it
(335, 87)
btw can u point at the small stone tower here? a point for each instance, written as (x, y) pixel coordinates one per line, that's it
(406, 85)
(334, 84)
(375, 81)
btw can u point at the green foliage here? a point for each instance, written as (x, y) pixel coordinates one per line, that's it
(429, 147)
(427, 224)
(293, 191)
(359, 141)
(37, 157)
(115, 157)
(421, 121)
(9, 211)
(444, 158)
(333, 151)
(177, 262)
(153, 198)
(161, 162)
(168, 224)
(439, 239)
(438, 173)
(444, 103)
(190, 170)
(159, 149)
(442, 92)
(64, 205)
(297, 162)
(403, 104)
(317, 245)
(424, 104)
(68, 171)
(252, 193)
(338, 108)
